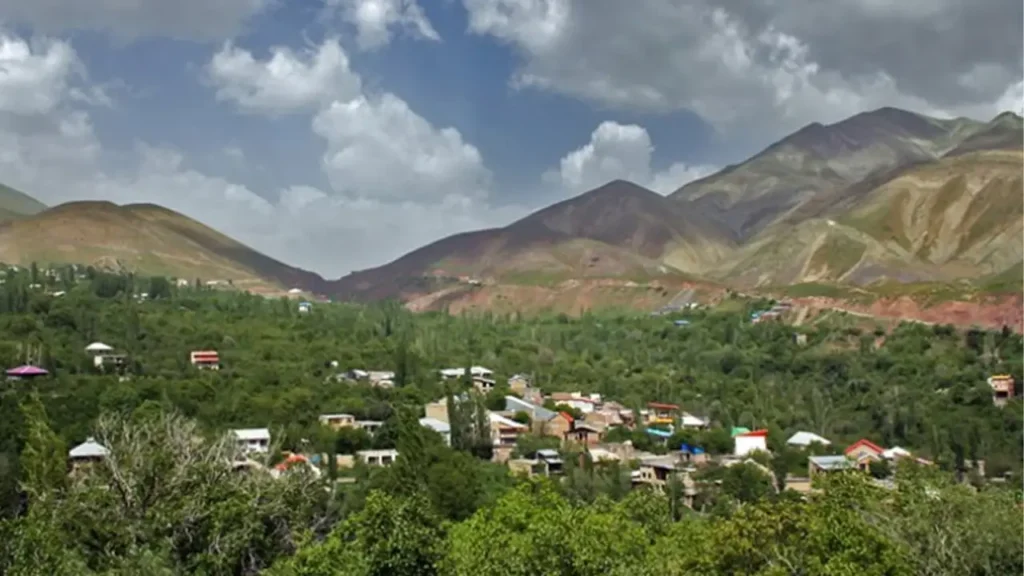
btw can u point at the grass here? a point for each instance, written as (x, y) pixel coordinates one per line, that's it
(837, 254)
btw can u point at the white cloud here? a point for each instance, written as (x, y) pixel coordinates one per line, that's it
(428, 181)
(202, 20)
(761, 69)
(617, 151)
(376, 20)
(33, 81)
(285, 82)
(379, 148)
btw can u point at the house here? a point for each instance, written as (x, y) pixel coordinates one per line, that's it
(656, 472)
(453, 373)
(805, 439)
(520, 383)
(539, 415)
(662, 413)
(1002, 388)
(483, 385)
(305, 307)
(252, 440)
(338, 421)
(437, 410)
(377, 378)
(687, 420)
(369, 426)
(863, 452)
(528, 467)
(205, 359)
(582, 434)
(505, 431)
(603, 419)
(552, 460)
(558, 425)
(824, 464)
(378, 457)
(692, 455)
(26, 372)
(439, 426)
(576, 401)
(749, 442)
(86, 453)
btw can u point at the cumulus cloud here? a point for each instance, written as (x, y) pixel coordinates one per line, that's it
(286, 81)
(618, 151)
(380, 148)
(398, 182)
(764, 68)
(202, 20)
(377, 20)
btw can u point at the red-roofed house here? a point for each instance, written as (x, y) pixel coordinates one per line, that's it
(748, 442)
(205, 359)
(863, 452)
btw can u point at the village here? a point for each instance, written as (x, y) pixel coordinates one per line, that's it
(578, 425)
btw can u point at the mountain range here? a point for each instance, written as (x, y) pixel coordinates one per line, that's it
(883, 196)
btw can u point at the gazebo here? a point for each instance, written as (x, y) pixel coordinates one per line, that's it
(25, 372)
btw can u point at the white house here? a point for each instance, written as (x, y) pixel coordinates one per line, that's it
(688, 420)
(253, 439)
(88, 450)
(805, 439)
(378, 457)
(439, 426)
(305, 307)
(478, 371)
(749, 442)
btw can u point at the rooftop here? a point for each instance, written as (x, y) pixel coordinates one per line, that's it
(252, 433)
(830, 462)
(88, 449)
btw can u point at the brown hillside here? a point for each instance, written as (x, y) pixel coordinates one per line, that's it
(146, 239)
(818, 161)
(618, 230)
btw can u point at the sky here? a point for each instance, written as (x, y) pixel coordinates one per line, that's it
(337, 135)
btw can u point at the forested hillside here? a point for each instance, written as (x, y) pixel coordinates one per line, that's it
(165, 503)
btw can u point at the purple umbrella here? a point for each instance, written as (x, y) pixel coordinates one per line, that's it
(27, 370)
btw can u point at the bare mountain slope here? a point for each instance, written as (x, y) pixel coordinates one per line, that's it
(617, 230)
(146, 239)
(957, 217)
(817, 162)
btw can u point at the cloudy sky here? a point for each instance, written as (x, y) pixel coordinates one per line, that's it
(338, 134)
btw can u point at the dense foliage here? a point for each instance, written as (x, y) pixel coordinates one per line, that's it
(166, 503)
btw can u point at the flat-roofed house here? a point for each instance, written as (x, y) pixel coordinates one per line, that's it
(253, 440)
(205, 359)
(338, 421)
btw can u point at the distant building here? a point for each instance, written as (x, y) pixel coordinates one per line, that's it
(305, 307)
(87, 453)
(253, 440)
(439, 426)
(748, 442)
(480, 371)
(1002, 388)
(205, 359)
(863, 452)
(338, 421)
(805, 439)
(378, 457)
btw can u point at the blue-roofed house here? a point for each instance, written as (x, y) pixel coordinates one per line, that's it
(682, 322)
(825, 464)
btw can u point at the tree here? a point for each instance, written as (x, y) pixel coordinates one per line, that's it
(44, 457)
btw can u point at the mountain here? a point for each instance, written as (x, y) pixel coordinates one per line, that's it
(15, 204)
(146, 239)
(818, 161)
(883, 196)
(619, 230)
